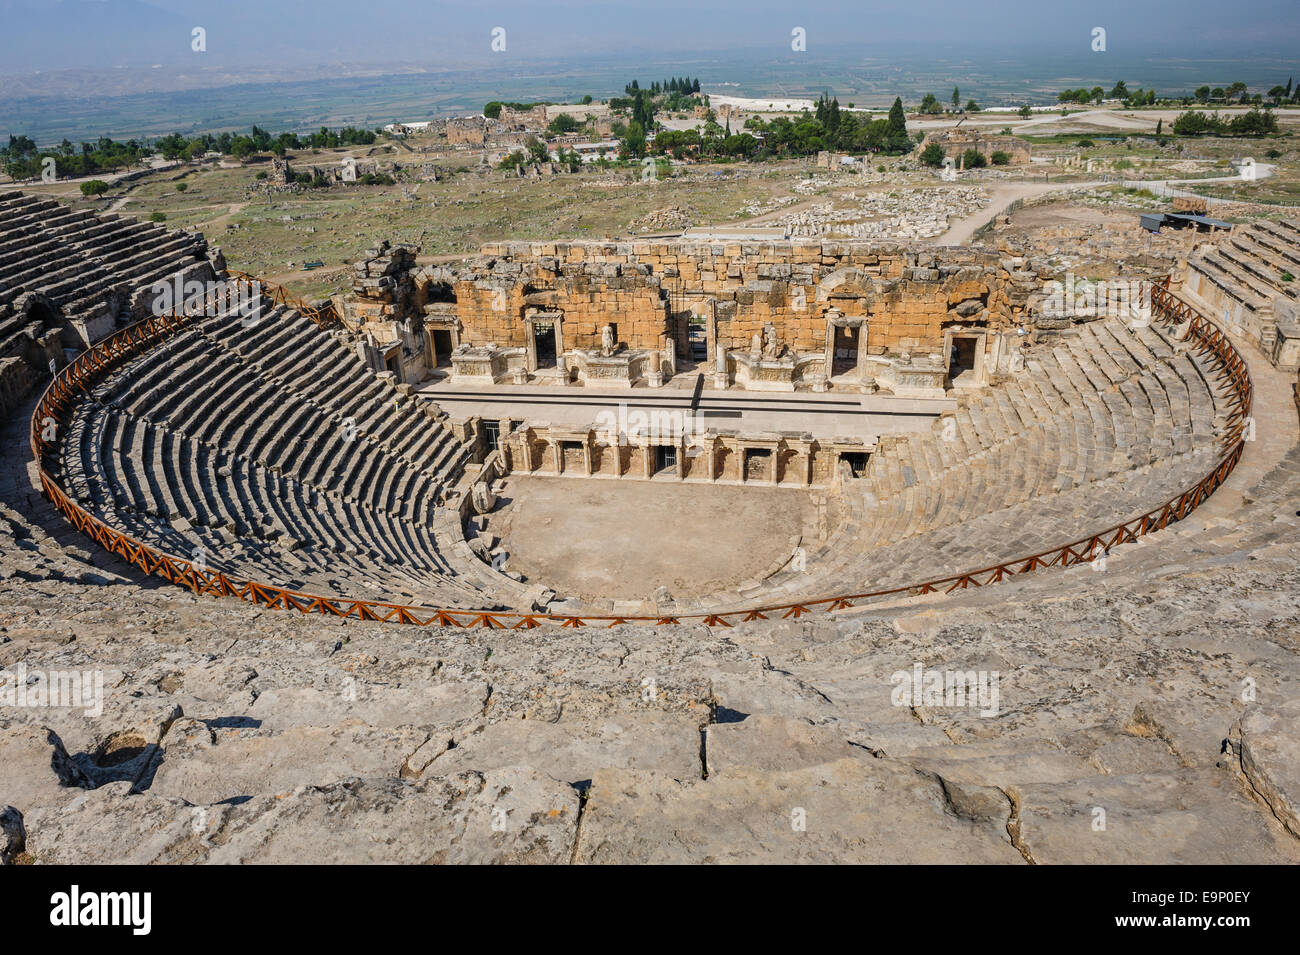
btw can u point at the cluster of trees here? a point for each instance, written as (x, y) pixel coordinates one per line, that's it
(783, 136)
(846, 132)
(241, 146)
(1235, 93)
(1257, 122)
(713, 141)
(1083, 96)
(1284, 94)
(632, 144)
(828, 111)
(1120, 91)
(536, 151)
(643, 109)
(678, 84)
(930, 104)
(675, 95)
(1141, 98)
(21, 159)
(564, 123)
(932, 155)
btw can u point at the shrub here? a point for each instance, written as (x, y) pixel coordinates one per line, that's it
(973, 159)
(157, 217)
(261, 174)
(182, 186)
(564, 123)
(932, 155)
(1288, 277)
(95, 187)
(1000, 158)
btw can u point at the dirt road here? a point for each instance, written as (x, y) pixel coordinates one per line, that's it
(1001, 197)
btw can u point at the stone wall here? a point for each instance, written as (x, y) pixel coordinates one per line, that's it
(906, 295)
(955, 142)
(712, 457)
(466, 132)
(776, 315)
(17, 378)
(494, 300)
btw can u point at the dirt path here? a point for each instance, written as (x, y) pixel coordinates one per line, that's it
(1000, 197)
(221, 220)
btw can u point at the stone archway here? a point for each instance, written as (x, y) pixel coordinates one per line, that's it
(848, 284)
(37, 307)
(44, 347)
(436, 300)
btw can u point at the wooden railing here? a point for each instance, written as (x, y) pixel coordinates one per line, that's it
(76, 379)
(323, 316)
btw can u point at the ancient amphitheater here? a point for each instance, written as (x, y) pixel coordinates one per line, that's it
(283, 535)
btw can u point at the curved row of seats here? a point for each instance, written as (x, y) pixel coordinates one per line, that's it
(74, 257)
(1252, 265)
(1102, 425)
(1103, 401)
(345, 431)
(264, 445)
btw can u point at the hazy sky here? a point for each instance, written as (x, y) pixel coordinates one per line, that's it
(55, 34)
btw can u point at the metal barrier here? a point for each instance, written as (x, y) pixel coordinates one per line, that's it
(76, 379)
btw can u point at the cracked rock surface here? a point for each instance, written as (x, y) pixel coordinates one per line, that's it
(1148, 713)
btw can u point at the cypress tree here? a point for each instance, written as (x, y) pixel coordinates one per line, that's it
(896, 138)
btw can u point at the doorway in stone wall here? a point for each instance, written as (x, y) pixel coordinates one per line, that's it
(963, 360)
(544, 341)
(844, 359)
(665, 459)
(442, 346)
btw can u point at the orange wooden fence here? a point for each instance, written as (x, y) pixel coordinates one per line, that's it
(79, 376)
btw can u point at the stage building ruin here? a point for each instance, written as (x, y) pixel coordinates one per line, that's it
(772, 316)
